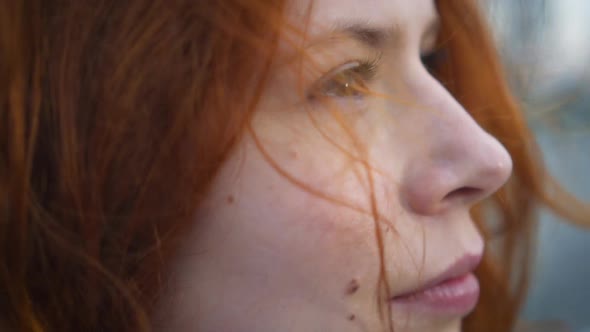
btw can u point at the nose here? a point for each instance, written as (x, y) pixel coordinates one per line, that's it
(456, 165)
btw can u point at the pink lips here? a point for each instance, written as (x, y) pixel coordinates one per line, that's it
(453, 292)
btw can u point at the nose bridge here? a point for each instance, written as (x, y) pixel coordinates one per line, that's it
(460, 163)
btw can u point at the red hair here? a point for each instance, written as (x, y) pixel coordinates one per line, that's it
(116, 115)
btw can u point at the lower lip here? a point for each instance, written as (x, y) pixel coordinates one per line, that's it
(452, 297)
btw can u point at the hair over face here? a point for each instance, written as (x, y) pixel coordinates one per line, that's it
(116, 115)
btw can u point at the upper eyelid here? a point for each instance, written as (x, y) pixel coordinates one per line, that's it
(373, 60)
(337, 48)
(372, 37)
(358, 61)
(324, 59)
(348, 65)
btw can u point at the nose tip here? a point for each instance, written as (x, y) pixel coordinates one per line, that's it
(494, 171)
(462, 176)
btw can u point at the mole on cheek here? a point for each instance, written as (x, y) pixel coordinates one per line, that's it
(351, 317)
(230, 199)
(352, 287)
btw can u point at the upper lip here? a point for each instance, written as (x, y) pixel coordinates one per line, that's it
(462, 266)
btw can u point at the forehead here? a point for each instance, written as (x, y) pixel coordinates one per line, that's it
(407, 14)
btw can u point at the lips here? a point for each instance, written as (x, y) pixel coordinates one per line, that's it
(453, 292)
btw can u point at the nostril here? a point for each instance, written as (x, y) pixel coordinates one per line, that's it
(463, 192)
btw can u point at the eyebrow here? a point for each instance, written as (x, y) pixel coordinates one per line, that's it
(378, 37)
(373, 37)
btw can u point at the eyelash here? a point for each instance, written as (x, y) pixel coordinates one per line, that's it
(337, 83)
(349, 80)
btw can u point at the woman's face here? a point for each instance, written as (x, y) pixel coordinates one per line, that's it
(287, 238)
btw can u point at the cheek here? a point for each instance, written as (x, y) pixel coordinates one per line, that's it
(317, 212)
(309, 207)
(323, 234)
(316, 208)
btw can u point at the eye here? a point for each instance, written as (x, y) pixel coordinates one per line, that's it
(433, 60)
(349, 80)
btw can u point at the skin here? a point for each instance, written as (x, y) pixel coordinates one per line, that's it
(268, 254)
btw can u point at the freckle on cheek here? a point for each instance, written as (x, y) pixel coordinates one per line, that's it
(294, 154)
(351, 317)
(230, 199)
(352, 287)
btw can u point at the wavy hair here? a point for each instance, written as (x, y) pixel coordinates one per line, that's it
(116, 115)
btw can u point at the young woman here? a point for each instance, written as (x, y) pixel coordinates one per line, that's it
(258, 165)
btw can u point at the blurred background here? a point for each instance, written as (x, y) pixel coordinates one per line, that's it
(545, 45)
